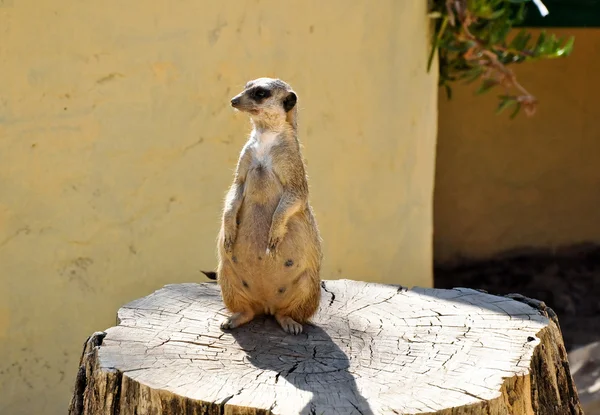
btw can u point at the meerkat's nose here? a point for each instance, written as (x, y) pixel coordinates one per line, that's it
(235, 101)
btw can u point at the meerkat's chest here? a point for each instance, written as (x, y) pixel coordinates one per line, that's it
(262, 148)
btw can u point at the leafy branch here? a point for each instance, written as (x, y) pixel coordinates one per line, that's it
(474, 42)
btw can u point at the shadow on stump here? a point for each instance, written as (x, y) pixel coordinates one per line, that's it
(311, 361)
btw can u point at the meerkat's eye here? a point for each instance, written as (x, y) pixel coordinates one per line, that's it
(260, 93)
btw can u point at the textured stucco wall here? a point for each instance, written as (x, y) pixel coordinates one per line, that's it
(118, 143)
(530, 182)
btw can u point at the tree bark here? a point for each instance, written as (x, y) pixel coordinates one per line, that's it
(372, 349)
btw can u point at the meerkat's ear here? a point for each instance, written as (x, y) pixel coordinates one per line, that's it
(289, 102)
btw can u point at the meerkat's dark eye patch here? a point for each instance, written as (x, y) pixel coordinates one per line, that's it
(290, 101)
(260, 93)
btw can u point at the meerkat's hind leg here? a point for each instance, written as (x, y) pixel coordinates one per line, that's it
(237, 319)
(288, 324)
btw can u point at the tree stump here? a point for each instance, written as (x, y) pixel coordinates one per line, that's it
(373, 349)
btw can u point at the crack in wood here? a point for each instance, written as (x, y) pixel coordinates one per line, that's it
(225, 400)
(324, 286)
(356, 407)
(117, 399)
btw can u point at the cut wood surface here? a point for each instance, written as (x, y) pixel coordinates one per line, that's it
(373, 349)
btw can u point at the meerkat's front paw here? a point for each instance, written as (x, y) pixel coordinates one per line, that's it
(228, 243)
(272, 246)
(236, 320)
(289, 325)
(274, 241)
(229, 240)
(230, 228)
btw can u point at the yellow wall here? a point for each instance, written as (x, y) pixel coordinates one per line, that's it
(118, 143)
(530, 182)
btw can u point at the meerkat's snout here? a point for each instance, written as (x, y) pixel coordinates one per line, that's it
(265, 95)
(243, 102)
(235, 101)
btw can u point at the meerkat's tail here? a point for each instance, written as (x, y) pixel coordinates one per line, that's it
(210, 274)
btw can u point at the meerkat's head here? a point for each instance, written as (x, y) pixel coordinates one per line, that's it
(271, 103)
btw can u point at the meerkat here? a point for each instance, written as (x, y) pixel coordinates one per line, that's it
(269, 246)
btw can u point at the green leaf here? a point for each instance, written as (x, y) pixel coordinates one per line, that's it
(436, 42)
(521, 40)
(491, 29)
(448, 91)
(505, 103)
(567, 48)
(486, 85)
(545, 47)
(515, 111)
(520, 14)
(431, 55)
(503, 32)
(471, 74)
(496, 14)
(540, 41)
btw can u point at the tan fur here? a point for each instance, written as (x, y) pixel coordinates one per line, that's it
(269, 245)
